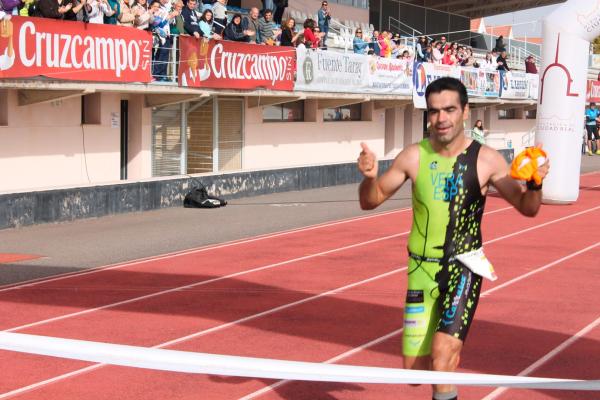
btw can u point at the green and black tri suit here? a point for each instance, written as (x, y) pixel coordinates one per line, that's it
(448, 207)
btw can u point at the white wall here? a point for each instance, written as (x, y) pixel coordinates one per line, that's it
(43, 145)
(285, 144)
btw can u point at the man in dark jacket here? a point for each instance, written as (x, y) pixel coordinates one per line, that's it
(53, 8)
(191, 18)
(502, 63)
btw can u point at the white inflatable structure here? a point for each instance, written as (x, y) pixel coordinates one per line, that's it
(560, 115)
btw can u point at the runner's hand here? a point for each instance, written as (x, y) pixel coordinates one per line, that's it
(367, 162)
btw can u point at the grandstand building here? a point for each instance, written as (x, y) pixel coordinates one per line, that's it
(85, 132)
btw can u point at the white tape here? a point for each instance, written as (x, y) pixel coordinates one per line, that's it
(203, 363)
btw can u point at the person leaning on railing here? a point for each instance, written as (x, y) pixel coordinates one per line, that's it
(288, 33)
(97, 10)
(206, 25)
(141, 14)
(235, 31)
(312, 41)
(358, 43)
(251, 22)
(191, 18)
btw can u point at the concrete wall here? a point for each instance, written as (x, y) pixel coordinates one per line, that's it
(284, 144)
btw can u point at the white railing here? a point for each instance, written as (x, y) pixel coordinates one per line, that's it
(528, 139)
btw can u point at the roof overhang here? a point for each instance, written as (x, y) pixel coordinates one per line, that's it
(481, 8)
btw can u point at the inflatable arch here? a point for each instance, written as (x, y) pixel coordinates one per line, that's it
(567, 34)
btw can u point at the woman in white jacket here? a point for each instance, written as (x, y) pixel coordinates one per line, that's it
(142, 15)
(97, 9)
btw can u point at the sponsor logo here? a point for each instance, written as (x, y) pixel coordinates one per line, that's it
(414, 309)
(449, 314)
(433, 165)
(414, 296)
(420, 79)
(61, 50)
(413, 323)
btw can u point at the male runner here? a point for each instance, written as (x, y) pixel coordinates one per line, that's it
(451, 175)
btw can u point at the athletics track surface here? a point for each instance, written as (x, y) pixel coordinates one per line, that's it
(327, 293)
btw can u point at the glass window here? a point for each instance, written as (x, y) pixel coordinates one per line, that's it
(290, 112)
(511, 113)
(531, 114)
(344, 113)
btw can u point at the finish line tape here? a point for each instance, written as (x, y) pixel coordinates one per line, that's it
(214, 364)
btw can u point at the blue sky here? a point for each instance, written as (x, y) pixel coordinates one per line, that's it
(516, 18)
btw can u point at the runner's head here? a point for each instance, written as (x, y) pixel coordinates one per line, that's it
(447, 109)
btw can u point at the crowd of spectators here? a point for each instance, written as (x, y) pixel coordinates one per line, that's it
(210, 19)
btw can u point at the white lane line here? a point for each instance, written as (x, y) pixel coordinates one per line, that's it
(390, 335)
(178, 340)
(196, 250)
(207, 331)
(204, 282)
(549, 356)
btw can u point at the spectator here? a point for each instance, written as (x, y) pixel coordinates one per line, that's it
(28, 9)
(127, 16)
(311, 39)
(501, 62)
(267, 28)
(178, 24)
(219, 16)
(375, 43)
(115, 6)
(421, 46)
(358, 44)
(234, 30)
(206, 25)
(437, 54)
(488, 63)
(444, 44)
(427, 54)
(448, 57)
(478, 133)
(301, 42)
(406, 55)
(385, 45)
(591, 121)
(161, 28)
(396, 45)
(96, 11)
(288, 34)
(250, 22)
(530, 67)
(324, 16)
(53, 9)
(191, 20)
(141, 13)
(469, 59)
(10, 7)
(280, 6)
(500, 47)
(318, 35)
(267, 5)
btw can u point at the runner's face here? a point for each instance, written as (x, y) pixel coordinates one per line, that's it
(446, 116)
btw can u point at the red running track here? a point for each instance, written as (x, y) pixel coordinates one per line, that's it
(329, 293)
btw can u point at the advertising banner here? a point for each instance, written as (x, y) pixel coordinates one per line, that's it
(74, 51)
(475, 81)
(492, 84)
(424, 74)
(593, 92)
(327, 71)
(533, 80)
(389, 76)
(233, 65)
(514, 85)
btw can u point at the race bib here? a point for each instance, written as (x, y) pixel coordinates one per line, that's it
(478, 263)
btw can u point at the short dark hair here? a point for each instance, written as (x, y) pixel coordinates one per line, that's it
(267, 11)
(450, 84)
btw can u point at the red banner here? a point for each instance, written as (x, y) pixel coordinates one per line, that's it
(74, 51)
(233, 65)
(593, 91)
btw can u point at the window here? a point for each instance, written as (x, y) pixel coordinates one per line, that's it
(287, 112)
(344, 113)
(510, 113)
(531, 114)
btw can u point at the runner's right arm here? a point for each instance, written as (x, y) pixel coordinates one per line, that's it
(375, 190)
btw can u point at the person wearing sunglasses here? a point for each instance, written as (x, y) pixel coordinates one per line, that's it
(358, 43)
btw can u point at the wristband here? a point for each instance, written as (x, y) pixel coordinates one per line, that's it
(531, 185)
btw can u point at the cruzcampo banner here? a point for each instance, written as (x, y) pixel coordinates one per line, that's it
(69, 50)
(232, 65)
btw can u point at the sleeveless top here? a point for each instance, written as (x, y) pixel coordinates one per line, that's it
(447, 204)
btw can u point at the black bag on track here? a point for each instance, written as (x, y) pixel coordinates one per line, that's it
(198, 197)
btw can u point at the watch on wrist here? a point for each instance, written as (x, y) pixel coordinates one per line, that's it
(531, 185)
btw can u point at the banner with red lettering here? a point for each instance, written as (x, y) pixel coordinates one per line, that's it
(74, 51)
(593, 91)
(234, 65)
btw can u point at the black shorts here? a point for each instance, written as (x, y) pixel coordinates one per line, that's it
(592, 132)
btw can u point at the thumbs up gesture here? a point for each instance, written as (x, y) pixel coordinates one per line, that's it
(367, 162)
